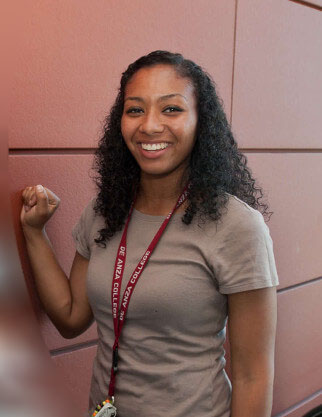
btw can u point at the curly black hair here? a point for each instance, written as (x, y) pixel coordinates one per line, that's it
(217, 168)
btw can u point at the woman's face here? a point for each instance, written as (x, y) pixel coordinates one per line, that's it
(159, 120)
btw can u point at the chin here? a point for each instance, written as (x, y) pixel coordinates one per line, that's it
(163, 168)
(155, 172)
(159, 172)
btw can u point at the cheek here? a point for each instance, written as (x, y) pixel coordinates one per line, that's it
(190, 130)
(129, 126)
(184, 128)
(126, 131)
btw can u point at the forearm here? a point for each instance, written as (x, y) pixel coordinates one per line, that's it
(51, 282)
(252, 398)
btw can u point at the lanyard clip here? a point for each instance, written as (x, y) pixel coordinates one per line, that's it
(115, 358)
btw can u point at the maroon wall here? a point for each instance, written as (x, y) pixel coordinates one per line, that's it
(263, 56)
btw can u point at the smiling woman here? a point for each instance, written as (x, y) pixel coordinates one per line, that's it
(177, 214)
(159, 122)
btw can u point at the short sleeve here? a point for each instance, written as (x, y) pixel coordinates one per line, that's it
(244, 258)
(81, 232)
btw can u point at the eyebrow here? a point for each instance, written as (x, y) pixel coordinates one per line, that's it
(162, 98)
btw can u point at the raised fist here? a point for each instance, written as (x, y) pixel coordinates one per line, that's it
(39, 204)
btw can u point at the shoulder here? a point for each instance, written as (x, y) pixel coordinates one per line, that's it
(89, 208)
(85, 230)
(237, 207)
(243, 257)
(240, 217)
(89, 213)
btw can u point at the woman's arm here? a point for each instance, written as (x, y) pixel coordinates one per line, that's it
(64, 300)
(252, 327)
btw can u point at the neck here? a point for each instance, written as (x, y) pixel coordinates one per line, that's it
(158, 195)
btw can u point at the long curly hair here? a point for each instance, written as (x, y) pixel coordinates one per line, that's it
(217, 168)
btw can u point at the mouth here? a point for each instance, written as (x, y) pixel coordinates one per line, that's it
(154, 147)
(153, 150)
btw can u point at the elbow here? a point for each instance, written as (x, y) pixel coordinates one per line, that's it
(69, 331)
(73, 326)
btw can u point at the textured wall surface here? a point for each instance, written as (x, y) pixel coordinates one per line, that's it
(264, 56)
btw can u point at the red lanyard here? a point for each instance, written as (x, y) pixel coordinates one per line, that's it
(118, 319)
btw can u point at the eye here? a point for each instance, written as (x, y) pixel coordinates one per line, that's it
(134, 110)
(172, 109)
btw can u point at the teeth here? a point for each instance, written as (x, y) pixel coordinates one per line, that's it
(154, 146)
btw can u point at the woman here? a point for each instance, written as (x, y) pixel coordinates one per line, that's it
(167, 157)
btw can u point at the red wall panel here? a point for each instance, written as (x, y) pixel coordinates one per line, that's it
(73, 53)
(298, 371)
(291, 182)
(277, 96)
(75, 368)
(68, 177)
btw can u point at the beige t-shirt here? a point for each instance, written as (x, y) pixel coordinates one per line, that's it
(171, 356)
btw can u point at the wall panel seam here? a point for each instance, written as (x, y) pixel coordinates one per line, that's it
(73, 348)
(298, 285)
(90, 151)
(308, 4)
(233, 68)
(51, 151)
(281, 150)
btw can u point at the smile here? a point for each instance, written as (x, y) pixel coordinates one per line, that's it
(154, 146)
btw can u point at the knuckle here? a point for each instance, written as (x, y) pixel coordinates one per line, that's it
(42, 196)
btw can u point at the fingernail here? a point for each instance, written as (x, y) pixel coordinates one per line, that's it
(40, 188)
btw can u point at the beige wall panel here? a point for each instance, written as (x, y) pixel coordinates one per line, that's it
(298, 369)
(277, 96)
(67, 176)
(73, 53)
(292, 182)
(76, 371)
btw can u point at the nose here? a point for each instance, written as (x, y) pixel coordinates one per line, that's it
(151, 123)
